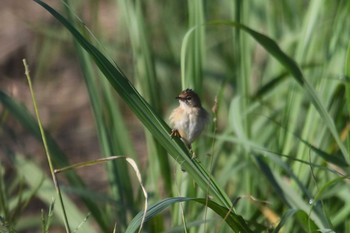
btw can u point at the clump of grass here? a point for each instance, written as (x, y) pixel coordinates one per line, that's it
(279, 151)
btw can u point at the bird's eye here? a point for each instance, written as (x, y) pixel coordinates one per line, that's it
(188, 98)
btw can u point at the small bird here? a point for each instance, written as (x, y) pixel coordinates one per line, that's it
(189, 118)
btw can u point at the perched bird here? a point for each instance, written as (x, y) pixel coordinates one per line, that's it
(189, 118)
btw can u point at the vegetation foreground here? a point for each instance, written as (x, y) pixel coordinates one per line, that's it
(274, 158)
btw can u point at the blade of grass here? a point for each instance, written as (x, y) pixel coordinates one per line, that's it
(287, 215)
(310, 119)
(192, 61)
(242, 57)
(45, 144)
(236, 222)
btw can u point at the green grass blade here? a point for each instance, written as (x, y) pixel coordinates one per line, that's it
(44, 141)
(287, 215)
(236, 222)
(307, 224)
(28, 122)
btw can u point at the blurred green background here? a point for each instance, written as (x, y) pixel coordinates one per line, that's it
(277, 147)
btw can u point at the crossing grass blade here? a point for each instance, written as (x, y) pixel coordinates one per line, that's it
(235, 222)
